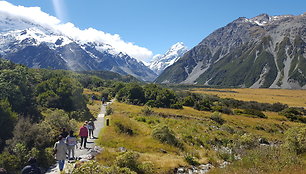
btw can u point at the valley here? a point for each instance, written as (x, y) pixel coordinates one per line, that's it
(234, 103)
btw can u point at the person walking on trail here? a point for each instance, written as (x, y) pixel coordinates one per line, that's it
(71, 142)
(103, 100)
(83, 134)
(32, 167)
(91, 128)
(60, 149)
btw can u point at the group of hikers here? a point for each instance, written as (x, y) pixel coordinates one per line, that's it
(64, 148)
(67, 142)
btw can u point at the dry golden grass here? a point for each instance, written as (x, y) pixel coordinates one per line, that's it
(165, 163)
(286, 96)
(90, 92)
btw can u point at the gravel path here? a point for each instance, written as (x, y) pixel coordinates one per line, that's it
(99, 124)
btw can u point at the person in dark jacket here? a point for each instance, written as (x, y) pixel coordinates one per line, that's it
(64, 133)
(31, 168)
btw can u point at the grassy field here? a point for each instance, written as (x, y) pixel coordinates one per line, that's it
(199, 135)
(286, 96)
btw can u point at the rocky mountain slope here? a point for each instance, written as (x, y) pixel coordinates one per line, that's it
(161, 62)
(41, 46)
(261, 52)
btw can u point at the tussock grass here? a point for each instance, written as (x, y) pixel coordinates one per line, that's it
(291, 97)
(198, 133)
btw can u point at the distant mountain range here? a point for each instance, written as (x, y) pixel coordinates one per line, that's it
(161, 62)
(260, 52)
(40, 46)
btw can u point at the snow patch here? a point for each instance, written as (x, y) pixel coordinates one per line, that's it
(161, 62)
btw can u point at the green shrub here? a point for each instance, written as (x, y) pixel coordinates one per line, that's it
(141, 119)
(248, 141)
(222, 109)
(7, 121)
(294, 114)
(131, 160)
(109, 110)
(254, 112)
(226, 156)
(191, 160)
(203, 105)
(188, 101)
(9, 162)
(165, 135)
(296, 140)
(176, 106)
(147, 110)
(91, 167)
(216, 116)
(123, 129)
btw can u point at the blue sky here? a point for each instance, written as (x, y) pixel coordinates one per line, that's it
(158, 24)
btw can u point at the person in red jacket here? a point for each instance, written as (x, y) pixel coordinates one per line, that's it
(83, 134)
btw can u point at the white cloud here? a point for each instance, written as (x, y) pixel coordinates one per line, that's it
(35, 15)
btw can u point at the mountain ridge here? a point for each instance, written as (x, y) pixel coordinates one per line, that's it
(44, 46)
(260, 52)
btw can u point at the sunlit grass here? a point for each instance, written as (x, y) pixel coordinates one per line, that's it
(285, 96)
(193, 129)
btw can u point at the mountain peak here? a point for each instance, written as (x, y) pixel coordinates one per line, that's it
(161, 62)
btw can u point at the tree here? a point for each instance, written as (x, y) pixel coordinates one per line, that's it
(7, 121)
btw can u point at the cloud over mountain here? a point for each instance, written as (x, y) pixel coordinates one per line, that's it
(35, 15)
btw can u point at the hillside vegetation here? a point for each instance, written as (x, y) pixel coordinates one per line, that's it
(35, 104)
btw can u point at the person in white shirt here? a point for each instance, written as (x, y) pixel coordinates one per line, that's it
(71, 142)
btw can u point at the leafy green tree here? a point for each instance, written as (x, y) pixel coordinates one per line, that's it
(7, 121)
(131, 93)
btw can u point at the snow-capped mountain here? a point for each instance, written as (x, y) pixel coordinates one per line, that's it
(61, 46)
(260, 52)
(161, 62)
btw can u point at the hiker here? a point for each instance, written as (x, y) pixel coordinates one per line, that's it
(103, 100)
(3, 171)
(71, 142)
(91, 128)
(83, 134)
(60, 149)
(64, 133)
(31, 168)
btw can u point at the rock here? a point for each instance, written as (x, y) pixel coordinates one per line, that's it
(263, 141)
(224, 164)
(122, 149)
(180, 170)
(164, 151)
(84, 160)
(206, 167)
